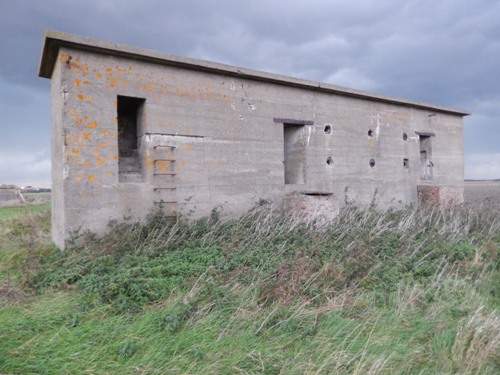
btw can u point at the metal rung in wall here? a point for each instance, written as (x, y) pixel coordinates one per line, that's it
(162, 146)
(163, 188)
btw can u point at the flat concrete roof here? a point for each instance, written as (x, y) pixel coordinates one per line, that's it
(53, 40)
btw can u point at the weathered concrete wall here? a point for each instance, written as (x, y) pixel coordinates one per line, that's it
(210, 140)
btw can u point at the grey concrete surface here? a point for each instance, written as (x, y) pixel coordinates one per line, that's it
(201, 135)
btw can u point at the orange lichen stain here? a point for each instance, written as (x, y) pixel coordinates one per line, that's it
(78, 121)
(180, 92)
(86, 117)
(166, 152)
(97, 74)
(183, 163)
(92, 124)
(80, 96)
(187, 147)
(77, 82)
(109, 173)
(115, 121)
(79, 176)
(113, 133)
(98, 161)
(149, 161)
(86, 82)
(109, 72)
(115, 157)
(74, 151)
(85, 136)
(86, 164)
(90, 177)
(112, 83)
(102, 144)
(96, 152)
(63, 57)
(176, 169)
(147, 87)
(89, 97)
(85, 69)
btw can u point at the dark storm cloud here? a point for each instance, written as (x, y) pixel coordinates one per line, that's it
(446, 52)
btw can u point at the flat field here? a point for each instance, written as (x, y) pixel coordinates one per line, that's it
(486, 192)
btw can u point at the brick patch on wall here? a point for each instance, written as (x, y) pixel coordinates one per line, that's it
(308, 207)
(438, 195)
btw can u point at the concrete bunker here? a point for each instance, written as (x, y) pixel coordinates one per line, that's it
(137, 130)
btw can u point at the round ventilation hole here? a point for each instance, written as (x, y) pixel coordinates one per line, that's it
(370, 133)
(329, 160)
(328, 129)
(372, 163)
(405, 136)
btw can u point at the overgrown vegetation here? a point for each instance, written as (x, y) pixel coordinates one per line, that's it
(393, 292)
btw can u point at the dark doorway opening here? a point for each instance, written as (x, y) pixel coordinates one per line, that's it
(130, 113)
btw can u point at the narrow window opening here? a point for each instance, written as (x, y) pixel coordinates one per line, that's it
(129, 112)
(328, 129)
(372, 163)
(370, 133)
(295, 153)
(406, 163)
(329, 160)
(426, 164)
(405, 136)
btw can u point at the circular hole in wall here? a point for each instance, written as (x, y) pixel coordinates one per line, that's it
(329, 160)
(370, 133)
(328, 129)
(405, 136)
(372, 163)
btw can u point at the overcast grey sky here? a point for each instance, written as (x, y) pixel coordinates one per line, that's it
(440, 51)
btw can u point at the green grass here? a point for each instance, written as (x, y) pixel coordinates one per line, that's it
(13, 211)
(394, 292)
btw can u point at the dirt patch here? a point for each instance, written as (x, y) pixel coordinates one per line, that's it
(482, 192)
(12, 294)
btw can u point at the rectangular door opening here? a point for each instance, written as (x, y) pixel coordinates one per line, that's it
(130, 113)
(425, 157)
(295, 154)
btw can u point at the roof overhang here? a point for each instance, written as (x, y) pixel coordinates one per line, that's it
(54, 40)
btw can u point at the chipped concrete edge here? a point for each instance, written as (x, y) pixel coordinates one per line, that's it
(53, 40)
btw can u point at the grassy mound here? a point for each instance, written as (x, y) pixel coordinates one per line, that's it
(399, 291)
